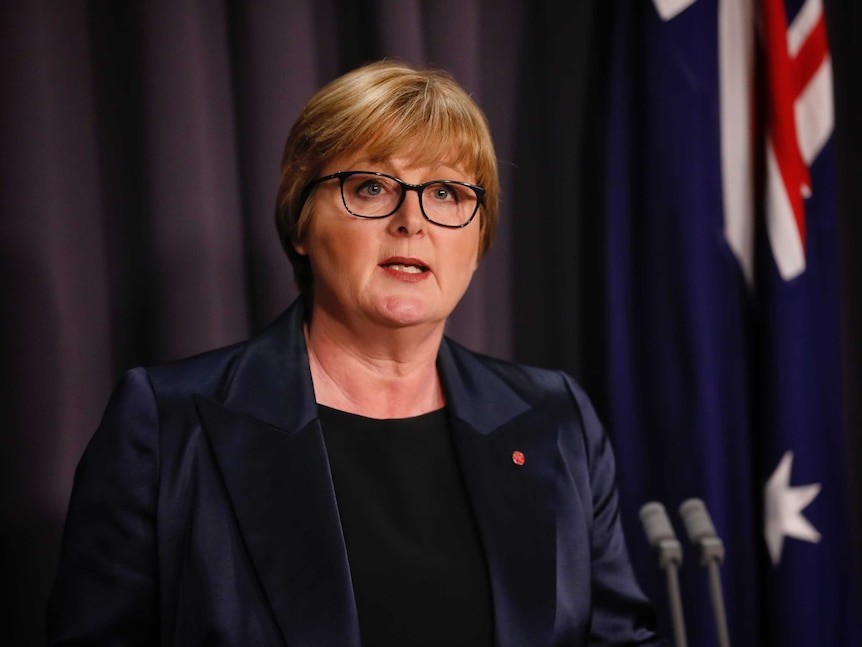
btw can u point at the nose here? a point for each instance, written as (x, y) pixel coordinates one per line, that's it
(408, 219)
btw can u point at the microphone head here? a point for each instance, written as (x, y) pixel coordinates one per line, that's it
(656, 523)
(698, 523)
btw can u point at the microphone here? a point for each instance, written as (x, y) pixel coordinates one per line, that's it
(698, 525)
(662, 538)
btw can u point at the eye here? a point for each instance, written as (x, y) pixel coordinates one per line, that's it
(446, 193)
(371, 186)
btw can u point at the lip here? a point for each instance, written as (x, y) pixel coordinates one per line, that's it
(405, 276)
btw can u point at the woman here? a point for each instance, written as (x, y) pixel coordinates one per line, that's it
(350, 476)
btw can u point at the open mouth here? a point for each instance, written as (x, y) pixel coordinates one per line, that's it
(405, 267)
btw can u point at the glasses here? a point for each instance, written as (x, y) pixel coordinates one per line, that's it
(368, 194)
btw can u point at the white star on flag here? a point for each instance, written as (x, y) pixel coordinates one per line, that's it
(784, 506)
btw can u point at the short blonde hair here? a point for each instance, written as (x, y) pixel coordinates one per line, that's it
(383, 108)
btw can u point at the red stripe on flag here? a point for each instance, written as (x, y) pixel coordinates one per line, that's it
(782, 121)
(810, 56)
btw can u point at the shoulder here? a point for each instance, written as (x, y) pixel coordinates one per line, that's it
(279, 347)
(489, 392)
(206, 373)
(533, 384)
(150, 387)
(145, 394)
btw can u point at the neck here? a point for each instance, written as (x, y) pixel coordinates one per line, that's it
(392, 374)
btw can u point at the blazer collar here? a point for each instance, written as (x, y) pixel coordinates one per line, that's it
(272, 381)
(269, 445)
(473, 392)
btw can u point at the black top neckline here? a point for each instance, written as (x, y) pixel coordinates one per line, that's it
(416, 560)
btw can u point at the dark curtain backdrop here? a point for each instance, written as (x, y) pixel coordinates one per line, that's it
(139, 149)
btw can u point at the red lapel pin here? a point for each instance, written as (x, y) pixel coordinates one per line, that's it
(518, 458)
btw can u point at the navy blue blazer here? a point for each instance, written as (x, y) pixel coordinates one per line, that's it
(203, 510)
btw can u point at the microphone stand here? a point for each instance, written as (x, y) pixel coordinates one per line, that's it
(710, 558)
(662, 537)
(702, 533)
(670, 558)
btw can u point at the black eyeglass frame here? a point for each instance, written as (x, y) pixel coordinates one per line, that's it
(341, 176)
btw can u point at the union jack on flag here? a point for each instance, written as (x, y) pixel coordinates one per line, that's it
(799, 122)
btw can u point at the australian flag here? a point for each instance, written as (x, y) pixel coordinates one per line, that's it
(720, 264)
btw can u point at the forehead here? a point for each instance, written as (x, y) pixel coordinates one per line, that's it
(414, 158)
(423, 143)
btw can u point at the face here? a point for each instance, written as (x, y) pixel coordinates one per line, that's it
(397, 271)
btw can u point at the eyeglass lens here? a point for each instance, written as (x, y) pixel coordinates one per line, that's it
(376, 196)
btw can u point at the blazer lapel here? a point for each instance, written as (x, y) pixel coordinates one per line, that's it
(514, 503)
(270, 450)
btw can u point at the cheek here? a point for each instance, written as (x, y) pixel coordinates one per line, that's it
(463, 259)
(470, 252)
(329, 257)
(339, 251)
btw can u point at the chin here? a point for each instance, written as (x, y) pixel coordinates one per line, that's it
(406, 312)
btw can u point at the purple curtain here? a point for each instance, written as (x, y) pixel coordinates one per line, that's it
(139, 151)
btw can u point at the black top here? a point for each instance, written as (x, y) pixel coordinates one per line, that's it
(418, 569)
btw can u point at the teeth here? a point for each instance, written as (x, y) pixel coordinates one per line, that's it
(410, 269)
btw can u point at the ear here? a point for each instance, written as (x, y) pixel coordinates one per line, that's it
(299, 246)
